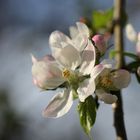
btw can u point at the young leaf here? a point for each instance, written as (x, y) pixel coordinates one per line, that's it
(87, 114)
(102, 19)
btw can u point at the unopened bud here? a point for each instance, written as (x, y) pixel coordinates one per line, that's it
(100, 43)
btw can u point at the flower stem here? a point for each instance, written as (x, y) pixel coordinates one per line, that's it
(118, 33)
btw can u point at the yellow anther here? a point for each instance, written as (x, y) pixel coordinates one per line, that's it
(66, 73)
(106, 81)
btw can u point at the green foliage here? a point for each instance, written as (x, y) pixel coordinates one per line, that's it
(101, 20)
(128, 54)
(87, 114)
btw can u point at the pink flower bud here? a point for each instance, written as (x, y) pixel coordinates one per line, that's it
(100, 43)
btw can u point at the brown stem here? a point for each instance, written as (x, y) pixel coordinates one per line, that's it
(118, 33)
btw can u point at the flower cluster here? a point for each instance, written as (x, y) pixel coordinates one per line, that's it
(75, 67)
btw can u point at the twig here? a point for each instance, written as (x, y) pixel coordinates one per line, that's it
(118, 33)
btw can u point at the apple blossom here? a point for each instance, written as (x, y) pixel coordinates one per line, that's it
(110, 80)
(103, 80)
(74, 66)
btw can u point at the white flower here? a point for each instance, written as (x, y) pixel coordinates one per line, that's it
(102, 80)
(110, 80)
(74, 62)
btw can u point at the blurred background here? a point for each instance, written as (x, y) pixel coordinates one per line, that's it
(25, 26)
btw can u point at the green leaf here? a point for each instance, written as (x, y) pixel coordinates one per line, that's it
(87, 114)
(128, 54)
(102, 19)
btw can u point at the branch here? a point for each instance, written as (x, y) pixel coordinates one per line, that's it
(118, 33)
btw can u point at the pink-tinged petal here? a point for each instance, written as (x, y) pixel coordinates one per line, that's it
(59, 105)
(106, 97)
(88, 59)
(47, 75)
(100, 43)
(131, 33)
(86, 89)
(68, 57)
(121, 78)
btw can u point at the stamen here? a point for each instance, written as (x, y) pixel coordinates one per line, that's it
(106, 82)
(65, 73)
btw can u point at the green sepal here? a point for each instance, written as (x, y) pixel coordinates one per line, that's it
(87, 114)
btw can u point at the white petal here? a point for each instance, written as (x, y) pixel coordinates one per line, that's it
(68, 57)
(73, 32)
(88, 59)
(131, 33)
(79, 39)
(106, 97)
(47, 75)
(97, 70)
(58, 40)
(59, 105)
(121, 78)
(86, 89)
(83, 29)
